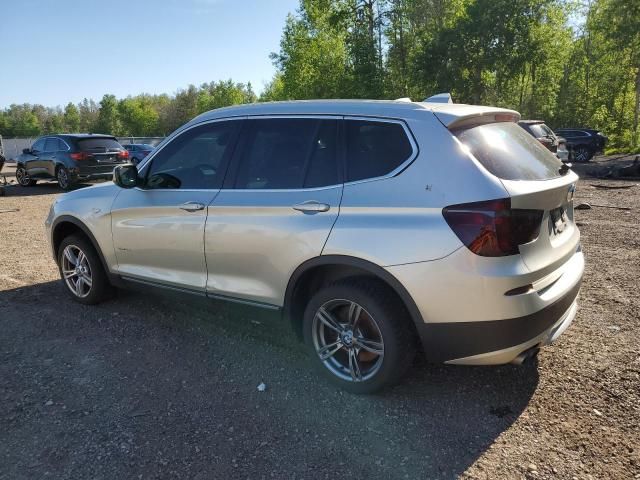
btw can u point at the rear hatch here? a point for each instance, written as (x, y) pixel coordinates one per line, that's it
(535, 180)
(102, 153)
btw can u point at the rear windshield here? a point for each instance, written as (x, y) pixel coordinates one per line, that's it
(510, 153)
(98, 144)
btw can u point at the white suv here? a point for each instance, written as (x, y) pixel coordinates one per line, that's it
(376, 227)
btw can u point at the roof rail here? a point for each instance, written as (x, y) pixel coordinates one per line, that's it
(439, 98)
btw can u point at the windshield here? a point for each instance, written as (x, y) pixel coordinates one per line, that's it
(510, 153)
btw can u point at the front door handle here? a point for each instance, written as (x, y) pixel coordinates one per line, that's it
(311, 206)
(192, 206)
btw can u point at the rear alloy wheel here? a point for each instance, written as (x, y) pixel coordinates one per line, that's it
(359, 335)
(23, 178)
(64, 180)
(582, 154)
(82, 272)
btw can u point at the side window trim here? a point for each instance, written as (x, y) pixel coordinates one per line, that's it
(143, 169)
(65, 144)
(232, 171)
(396, 171)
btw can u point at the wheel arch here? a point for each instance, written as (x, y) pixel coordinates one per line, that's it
(327, 268)
(66, 225)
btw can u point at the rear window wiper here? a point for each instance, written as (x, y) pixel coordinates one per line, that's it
(564, 169)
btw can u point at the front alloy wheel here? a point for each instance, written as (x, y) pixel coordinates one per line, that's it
(82, 271)
(23, 178)
(76, 271)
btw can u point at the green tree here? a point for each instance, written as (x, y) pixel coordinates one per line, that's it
(108, 120)
(71, 118)
(138, 116)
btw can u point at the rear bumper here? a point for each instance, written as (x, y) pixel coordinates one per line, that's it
(468, 319)
(498, 341)
(93, 173)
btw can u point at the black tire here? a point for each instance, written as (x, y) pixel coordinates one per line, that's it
(23, 178)
(393, 329)
(100, 288)
(64, 178)
(582, 154)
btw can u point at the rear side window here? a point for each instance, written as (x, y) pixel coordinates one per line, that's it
(510, 153)
(374, 148)
(288, 153)
(51, 145)
(98, 144)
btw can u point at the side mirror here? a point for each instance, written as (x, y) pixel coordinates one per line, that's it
(126, 176)
(26, 151)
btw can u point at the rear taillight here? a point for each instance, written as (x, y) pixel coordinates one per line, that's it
(80, 156)
(493, 228)
(123, 154)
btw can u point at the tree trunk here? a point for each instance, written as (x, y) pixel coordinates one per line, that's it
(636, 110)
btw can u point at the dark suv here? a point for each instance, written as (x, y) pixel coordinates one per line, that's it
(583, 142)
(138, 151)
(70, 159)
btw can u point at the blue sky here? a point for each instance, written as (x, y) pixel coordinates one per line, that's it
(56, 51)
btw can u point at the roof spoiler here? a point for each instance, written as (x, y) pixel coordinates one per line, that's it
(439, 98)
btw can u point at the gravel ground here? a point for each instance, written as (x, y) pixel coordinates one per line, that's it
(146, 386)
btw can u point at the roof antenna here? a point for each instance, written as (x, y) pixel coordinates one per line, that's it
(439, 98)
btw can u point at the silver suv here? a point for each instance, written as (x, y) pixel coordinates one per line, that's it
(377, 228)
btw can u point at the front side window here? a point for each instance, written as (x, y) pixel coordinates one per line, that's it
(38, 146)
(193, 160)
(375, 148)
(288, 153)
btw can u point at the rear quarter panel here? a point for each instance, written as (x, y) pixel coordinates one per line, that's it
(398, 220)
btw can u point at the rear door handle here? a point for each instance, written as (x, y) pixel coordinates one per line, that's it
(311, 206)
(192, 206)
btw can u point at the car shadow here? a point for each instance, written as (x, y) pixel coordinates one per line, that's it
(171, 375)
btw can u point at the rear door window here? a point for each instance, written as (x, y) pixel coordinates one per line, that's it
(288, 153)
(51, 145)
(375, 148)
(508, 152)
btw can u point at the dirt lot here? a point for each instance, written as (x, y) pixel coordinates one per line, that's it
(149, 387)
